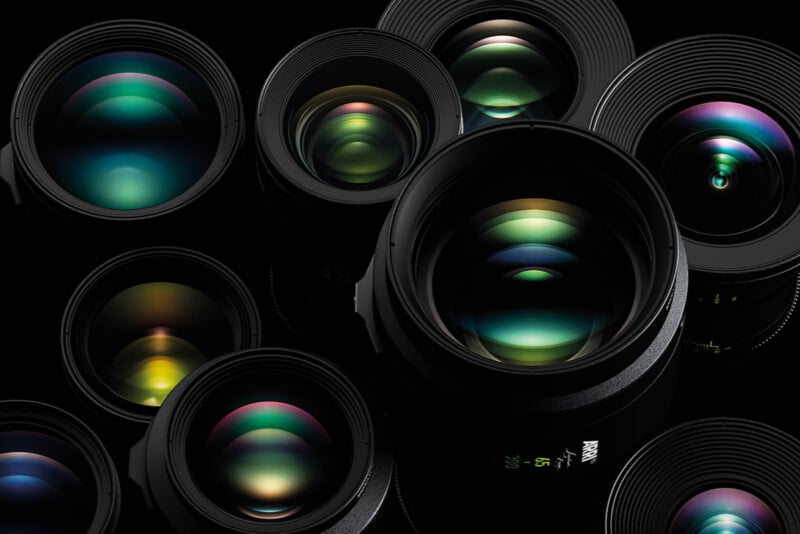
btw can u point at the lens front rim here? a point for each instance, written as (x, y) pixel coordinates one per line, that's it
(701, 455)
(595, 32)
(121, 35)
(187, 507)
(276, 152)
(720, 67)
(63, 425)
(75, 355)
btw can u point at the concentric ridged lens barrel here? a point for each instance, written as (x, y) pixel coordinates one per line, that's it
(724, 148)
(143, 321)
(267, 440)
(700, 478)
(124, 120)
(522, 59)
(55, 475)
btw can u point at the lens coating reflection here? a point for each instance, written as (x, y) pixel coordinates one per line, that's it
(358, 136)
(127, 130)
(147, 338)
(506, 69)
(269, 458)
(726, 167)
(725, 511)
(533, 282)
(40, 493)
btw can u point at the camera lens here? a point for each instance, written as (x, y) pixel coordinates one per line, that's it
(125, 120)
(345, 117)
(358, 136)
(547, 306)
(268, 440)
(725, 510)
(533, 282)
(524, 59)
(141, 322)
(699, 477)
(724, 150)
(55, 475)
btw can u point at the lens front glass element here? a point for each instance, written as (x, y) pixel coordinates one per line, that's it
(725, 511)
(506, 69)
(357, 136)
(533, 282)
(127, 130)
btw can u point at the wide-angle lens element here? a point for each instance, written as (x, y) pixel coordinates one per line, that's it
(533, 282)
(55, 475)
(724, 166)
(125, 120)
(140, 323)
(725, 151)
(548, 306)
(346, 116)
(699, 478)
(725, 511)
(519, 60)
(267, 440)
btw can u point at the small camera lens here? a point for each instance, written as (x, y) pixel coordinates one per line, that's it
(724, 148)
(144, 320)
(265, 440)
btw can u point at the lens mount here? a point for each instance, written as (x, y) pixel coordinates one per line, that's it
(593, 34)
(42, 426)
(173, 465)
(701, 456)
(107, 38)
(145, 317)
(756, 78)
(525, 161)
(340, 113)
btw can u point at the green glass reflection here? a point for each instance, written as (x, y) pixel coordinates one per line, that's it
(360, 136)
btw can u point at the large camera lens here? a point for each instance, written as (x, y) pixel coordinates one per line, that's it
(140, 323)
(125, 120)
(699, 478)
(547, 306)
(55, 475)
(346, 115)
(268, 440)
(724, 149)
(524, 59)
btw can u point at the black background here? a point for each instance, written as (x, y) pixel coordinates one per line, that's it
(44, 261)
